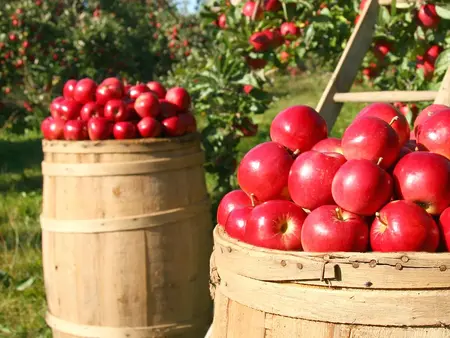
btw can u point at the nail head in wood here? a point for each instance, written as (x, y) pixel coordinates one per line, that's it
(283, 263)
(355, 265)
(368, 284)
(405, 259)
(300, 266)
(398, 266)
(442, 268)
(229, 249)
(373, 263)
(327, 257)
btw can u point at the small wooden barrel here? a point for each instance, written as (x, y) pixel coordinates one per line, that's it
(263, 293)
(126, 230)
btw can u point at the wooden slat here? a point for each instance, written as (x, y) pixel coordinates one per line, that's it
(349, 63)
(387, 96)
(399, 3)
(443, 96)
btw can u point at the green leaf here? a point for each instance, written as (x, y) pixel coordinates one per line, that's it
(442, 62)
(443, 12)
(25, 284)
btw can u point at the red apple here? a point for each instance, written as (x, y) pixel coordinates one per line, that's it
(112, 81)
(124, 130)
(427, 112)
(428, 16)
(137, 90)
(260, 42)
(91, 109)
(179, 97)
(272, 5)
(55, 107)
(289, 29)
(389, 114)
(275, 37)
(69, 88)
(235, 199)
(432, 54)
(157, 88)
(75, 130)
(371, 138)
(222, 21)
(434, 133)
(403, 226)
(298, 128)
(189, 121)
(167, 109)
(381, 49)
(117, 110)
(109, 91)
(276, 225)
(250, 7)
(329, 228)
(236, 222)
(70, 109)
(329, 145)
(147, 104)
(424, 178)
(256, 63)
(427, 67)
(173, 126)
(149, 127)
(444, 224)
(84, 91)
(264, 171)
(361, 187)
(311, 176)
(100, 128)
(53, 128)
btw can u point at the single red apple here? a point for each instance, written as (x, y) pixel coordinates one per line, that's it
(84, 91)
(235, 199)
(99, 128)
(147, 104)
(157, 88)
(75, 130)
(124, 130)
(428, 16)
(53, 128)
(389, 114)
(55, 107)
(403, 226)
(298, 128)
(256, 63)
(91, 109)
(173, 126)
(381, 49)
(427, 112)
(272, 5)
(260, 42)
(361, 187)
(70, 109)
(112, 81)
(117, 110)
(264, 171)
(179, 97)
(444, 224)
(69, 88)
(432, 54)
(249, 8)
(434, 133)
(149, 127)
(189, 121)
(236, 222)
(329, 228)
(329, 145)
(275, 224)
(424, 178)
(109, 91)
(137, 90)
(167, 109)
(311, 176)
(289, 29)
(371, 138)
(222, 21)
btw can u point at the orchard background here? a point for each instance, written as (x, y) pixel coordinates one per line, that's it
(242, 62)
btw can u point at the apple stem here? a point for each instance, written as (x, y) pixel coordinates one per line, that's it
(395, 118)
(295, 153)
(253, 199)
(377, 215)
(339, 213)
(416, 148)
(379, 161)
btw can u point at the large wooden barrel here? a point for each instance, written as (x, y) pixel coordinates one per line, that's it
(126, 238)
(263, 293)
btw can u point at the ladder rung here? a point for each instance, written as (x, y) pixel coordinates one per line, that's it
(386, 96)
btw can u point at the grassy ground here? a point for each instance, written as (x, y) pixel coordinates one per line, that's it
(22, 298)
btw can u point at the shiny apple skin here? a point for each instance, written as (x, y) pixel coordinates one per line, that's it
(235, 199)
(434, 133)
(329, 145)
(444, 224)
(427, 112)
(237, 221)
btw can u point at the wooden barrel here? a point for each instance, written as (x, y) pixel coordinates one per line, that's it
(126, 238)
(263, 293)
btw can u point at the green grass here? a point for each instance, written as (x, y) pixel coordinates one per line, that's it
(22, 297)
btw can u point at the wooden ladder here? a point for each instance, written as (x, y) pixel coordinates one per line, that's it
(337, 90)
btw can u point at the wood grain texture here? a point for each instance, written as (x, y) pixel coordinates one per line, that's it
(387, 96)
(443, 96)
(114, 258)
(253, 283)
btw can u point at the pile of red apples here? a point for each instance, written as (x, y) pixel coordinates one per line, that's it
(383, 187)
(88, 111)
